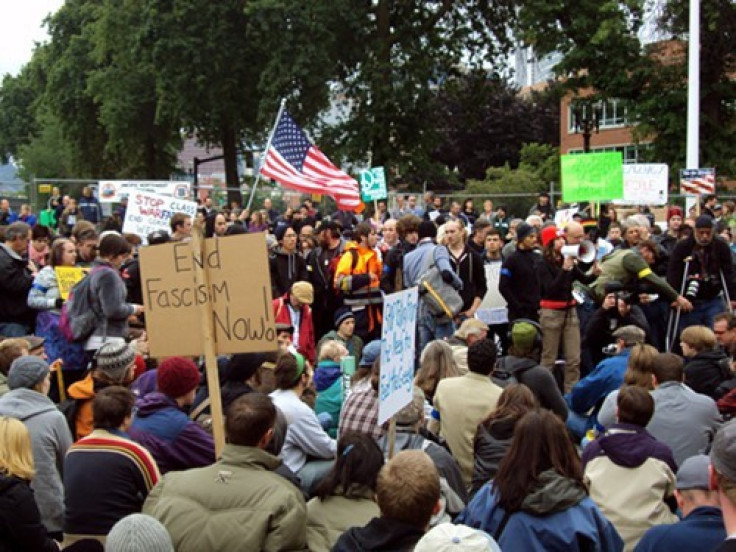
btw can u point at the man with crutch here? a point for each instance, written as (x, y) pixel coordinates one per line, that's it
(701, 267)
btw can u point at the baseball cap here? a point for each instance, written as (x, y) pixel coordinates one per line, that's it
(630, 334)
(694, 473)
(723, 451)
(448, 537)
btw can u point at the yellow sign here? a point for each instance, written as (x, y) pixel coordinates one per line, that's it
(67, 276)
(44, 188)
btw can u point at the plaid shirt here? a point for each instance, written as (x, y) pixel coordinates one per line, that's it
(360, 413)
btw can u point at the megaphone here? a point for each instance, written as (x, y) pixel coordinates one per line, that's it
(584, 251)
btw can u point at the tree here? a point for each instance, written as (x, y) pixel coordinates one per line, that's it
(601, 50)
(483, 122)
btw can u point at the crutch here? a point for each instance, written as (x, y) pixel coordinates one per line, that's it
(725, 292)
(675, 317)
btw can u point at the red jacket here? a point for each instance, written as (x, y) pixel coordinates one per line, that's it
(306, 345)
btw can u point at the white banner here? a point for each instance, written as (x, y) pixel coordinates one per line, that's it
(563, 216)
(112, 191)
(397, 352)
(148, 212)
(645, 184)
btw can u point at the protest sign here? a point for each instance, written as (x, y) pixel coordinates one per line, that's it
(563, 216)
(493, 309)
(237, 290)
(149, 212)
(113, 191)
(645, 184)
(66, 277)
(697, 181)
(373, 184)
(592, 177)
(397, 352)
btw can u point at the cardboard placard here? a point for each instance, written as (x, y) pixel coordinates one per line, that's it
(149, 212)
(397, 352)
(113, 191)
(493, 309)
(66, 277)
(592, 177)
(239, 295)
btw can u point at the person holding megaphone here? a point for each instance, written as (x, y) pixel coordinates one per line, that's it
(558, 316)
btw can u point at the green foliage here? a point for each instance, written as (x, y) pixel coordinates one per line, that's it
(48, 154)
(539, 167)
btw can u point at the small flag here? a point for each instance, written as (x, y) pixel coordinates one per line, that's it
(697, 181)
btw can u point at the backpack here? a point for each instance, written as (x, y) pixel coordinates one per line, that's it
(441, 298)
(78, 318)
(69, 408)
(503, 376)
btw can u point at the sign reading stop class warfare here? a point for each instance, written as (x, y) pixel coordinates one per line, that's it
(238, 292)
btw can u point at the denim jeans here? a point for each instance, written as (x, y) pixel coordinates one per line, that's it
(429, 328)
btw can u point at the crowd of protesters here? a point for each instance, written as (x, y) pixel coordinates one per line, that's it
(573, 392)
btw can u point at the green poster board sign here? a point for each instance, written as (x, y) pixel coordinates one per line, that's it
(592, 177)
(373, 185)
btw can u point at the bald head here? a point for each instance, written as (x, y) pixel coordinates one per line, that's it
(574, 233)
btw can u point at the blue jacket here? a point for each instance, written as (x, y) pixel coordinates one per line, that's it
(175, 442)
(91, 209)
(702, 529)
(608, 376)
(580, 526)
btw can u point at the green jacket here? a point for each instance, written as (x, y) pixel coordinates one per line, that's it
(328, 519)
(354, 345)
(238, 503)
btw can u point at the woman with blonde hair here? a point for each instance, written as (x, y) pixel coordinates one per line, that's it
(20, 520)
(436, 363)
(638, 372)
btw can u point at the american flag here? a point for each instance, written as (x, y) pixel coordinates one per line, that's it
(296, 163)
(697, 181)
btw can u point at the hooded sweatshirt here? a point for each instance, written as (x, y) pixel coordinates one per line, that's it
(555, 515)
(380, 534)
(630, 475)
(50, 439)
(286, 268)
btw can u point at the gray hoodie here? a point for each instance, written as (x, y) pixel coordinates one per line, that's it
(50, 438)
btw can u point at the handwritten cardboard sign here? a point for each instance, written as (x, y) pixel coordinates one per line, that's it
(149, 212)
(397, 352)
(592, 177)
(239, 293)
(66, 277)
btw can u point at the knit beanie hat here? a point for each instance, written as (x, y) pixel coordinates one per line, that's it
(241, 367)
(523, 335)
(138, 533)
(549, 234)
(523, 230)
(26, 372)
(177, 376)
(704, 221)
(341, 315)
(673, 212)
(114, 359)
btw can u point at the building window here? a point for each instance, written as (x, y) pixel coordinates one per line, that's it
(612, 114)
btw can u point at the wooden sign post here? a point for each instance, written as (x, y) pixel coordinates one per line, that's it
(208, 297)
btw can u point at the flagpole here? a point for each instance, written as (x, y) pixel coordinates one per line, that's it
(268, 146)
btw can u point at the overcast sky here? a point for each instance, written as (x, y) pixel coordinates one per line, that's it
(20, 29)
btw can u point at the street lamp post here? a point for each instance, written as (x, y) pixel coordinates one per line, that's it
(587, 117)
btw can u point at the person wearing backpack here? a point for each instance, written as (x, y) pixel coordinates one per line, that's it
(521, 365)
(416, 262)
(108, 293)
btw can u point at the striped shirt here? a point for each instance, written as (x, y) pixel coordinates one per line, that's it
(106, 477)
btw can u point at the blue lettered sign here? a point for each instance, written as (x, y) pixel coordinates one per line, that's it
(397, 352)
